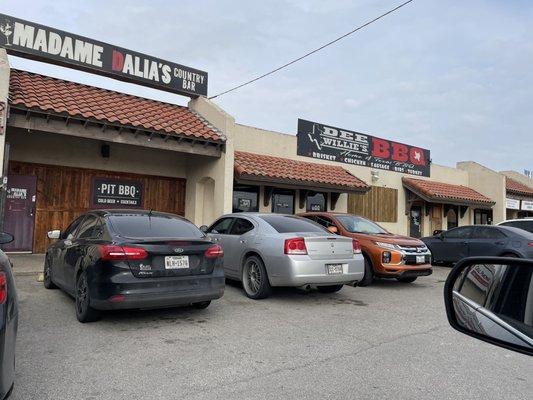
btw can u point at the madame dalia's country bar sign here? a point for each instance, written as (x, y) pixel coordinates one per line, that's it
(336, 144)
(27, 39)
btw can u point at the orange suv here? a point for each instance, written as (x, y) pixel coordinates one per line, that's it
(386, 255)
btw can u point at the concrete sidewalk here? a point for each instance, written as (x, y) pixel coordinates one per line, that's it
(27, 264)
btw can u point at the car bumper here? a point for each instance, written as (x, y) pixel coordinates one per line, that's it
(129, 292)
(404, 271)
(303, 271)
(7, 357)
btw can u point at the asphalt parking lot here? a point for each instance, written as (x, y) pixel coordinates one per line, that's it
(389, 340)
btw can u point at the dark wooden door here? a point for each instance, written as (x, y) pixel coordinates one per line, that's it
(20, 211)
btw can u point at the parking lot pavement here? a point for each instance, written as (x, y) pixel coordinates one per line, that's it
(389, 340)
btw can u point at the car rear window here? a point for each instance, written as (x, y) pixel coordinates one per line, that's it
(287, 224)
(153, 226)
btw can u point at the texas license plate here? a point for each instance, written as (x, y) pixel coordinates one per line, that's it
(176, 262)
(420, 259)
(334, 269)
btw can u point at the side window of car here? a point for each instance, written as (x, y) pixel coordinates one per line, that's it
(221, 226)
(462, 232)
(325, 222)
(69, 232)
(87, 227)
(241, 226)
(488, 233)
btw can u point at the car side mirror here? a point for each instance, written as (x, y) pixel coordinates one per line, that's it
(491, 299)
(333, 229)
(6, 237)
(54, 234)
(204, 228)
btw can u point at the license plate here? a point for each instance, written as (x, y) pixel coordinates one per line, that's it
(334, 269)
(176, 262)
(420, 259)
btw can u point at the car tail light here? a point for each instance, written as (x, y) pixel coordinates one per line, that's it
(356, 246)
(530, 244)
(214, 251)
(110, 252)
(295, 246)
(3, 287)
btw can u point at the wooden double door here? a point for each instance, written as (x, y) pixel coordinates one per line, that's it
(63, 193)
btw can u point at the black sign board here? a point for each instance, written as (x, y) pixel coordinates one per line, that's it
(42, 43)
(116, 193)
(336, 144)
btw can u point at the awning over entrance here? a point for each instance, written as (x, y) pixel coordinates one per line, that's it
(107, 115)
(254, 168)
(517, 188)
(446, 193)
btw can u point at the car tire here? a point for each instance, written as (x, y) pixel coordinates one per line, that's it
(84, 311)
(329, 288)
(255, 279)
(47, 275)
(201, 305)
(368, 278)
(411, 279)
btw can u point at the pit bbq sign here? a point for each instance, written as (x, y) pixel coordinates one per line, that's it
(42, 43)
(116, 193)
(335, 144)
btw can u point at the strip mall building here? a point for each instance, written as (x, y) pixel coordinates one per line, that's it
(68, 148)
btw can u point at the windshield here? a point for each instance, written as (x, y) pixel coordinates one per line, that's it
(355, 224)
(154, 226)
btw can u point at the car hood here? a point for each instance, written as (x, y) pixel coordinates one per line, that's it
(392, 238)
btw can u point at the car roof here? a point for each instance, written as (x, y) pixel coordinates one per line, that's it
(516, 220)
(518, 231)
(127, 211)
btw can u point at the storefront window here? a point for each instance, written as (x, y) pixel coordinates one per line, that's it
(482, 217)
(283, 201)
(316, 202)
(245, 198)
(452, 218)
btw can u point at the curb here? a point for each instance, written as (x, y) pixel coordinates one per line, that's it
(26, 273)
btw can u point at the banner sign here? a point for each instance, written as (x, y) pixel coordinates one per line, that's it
(42, 43)
(113, 193)
(335, 144)
(512, 204)
(527, 205)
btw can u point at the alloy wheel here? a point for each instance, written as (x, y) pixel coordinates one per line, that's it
(253, 277)
(81, 294)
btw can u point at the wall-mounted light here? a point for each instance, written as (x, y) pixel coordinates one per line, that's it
(105, 150)
(374, 175)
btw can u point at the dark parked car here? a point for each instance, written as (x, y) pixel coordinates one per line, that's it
(479, 240)
(8, 322)
(123, 259)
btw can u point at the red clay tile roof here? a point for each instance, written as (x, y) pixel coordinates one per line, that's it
(516, 187)
(281, 170)
(38, 92)
(439, 191)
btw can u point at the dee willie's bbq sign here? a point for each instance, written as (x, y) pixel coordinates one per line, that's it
(113, 193)
(42, 43)
(335, 144)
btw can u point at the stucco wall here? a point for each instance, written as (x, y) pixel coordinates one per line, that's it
(489, 183)
(46, 148)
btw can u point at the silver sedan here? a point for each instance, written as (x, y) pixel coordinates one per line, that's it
(265, 250)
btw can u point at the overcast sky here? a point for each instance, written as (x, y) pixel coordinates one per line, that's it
(452, 76)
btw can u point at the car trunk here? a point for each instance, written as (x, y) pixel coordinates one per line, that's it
(328, 247)
(170, 258)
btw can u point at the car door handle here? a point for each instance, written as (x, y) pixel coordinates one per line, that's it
(500, 243)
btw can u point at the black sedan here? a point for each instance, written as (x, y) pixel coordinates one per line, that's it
(8, 322)
(479, 240)
(123, 259)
